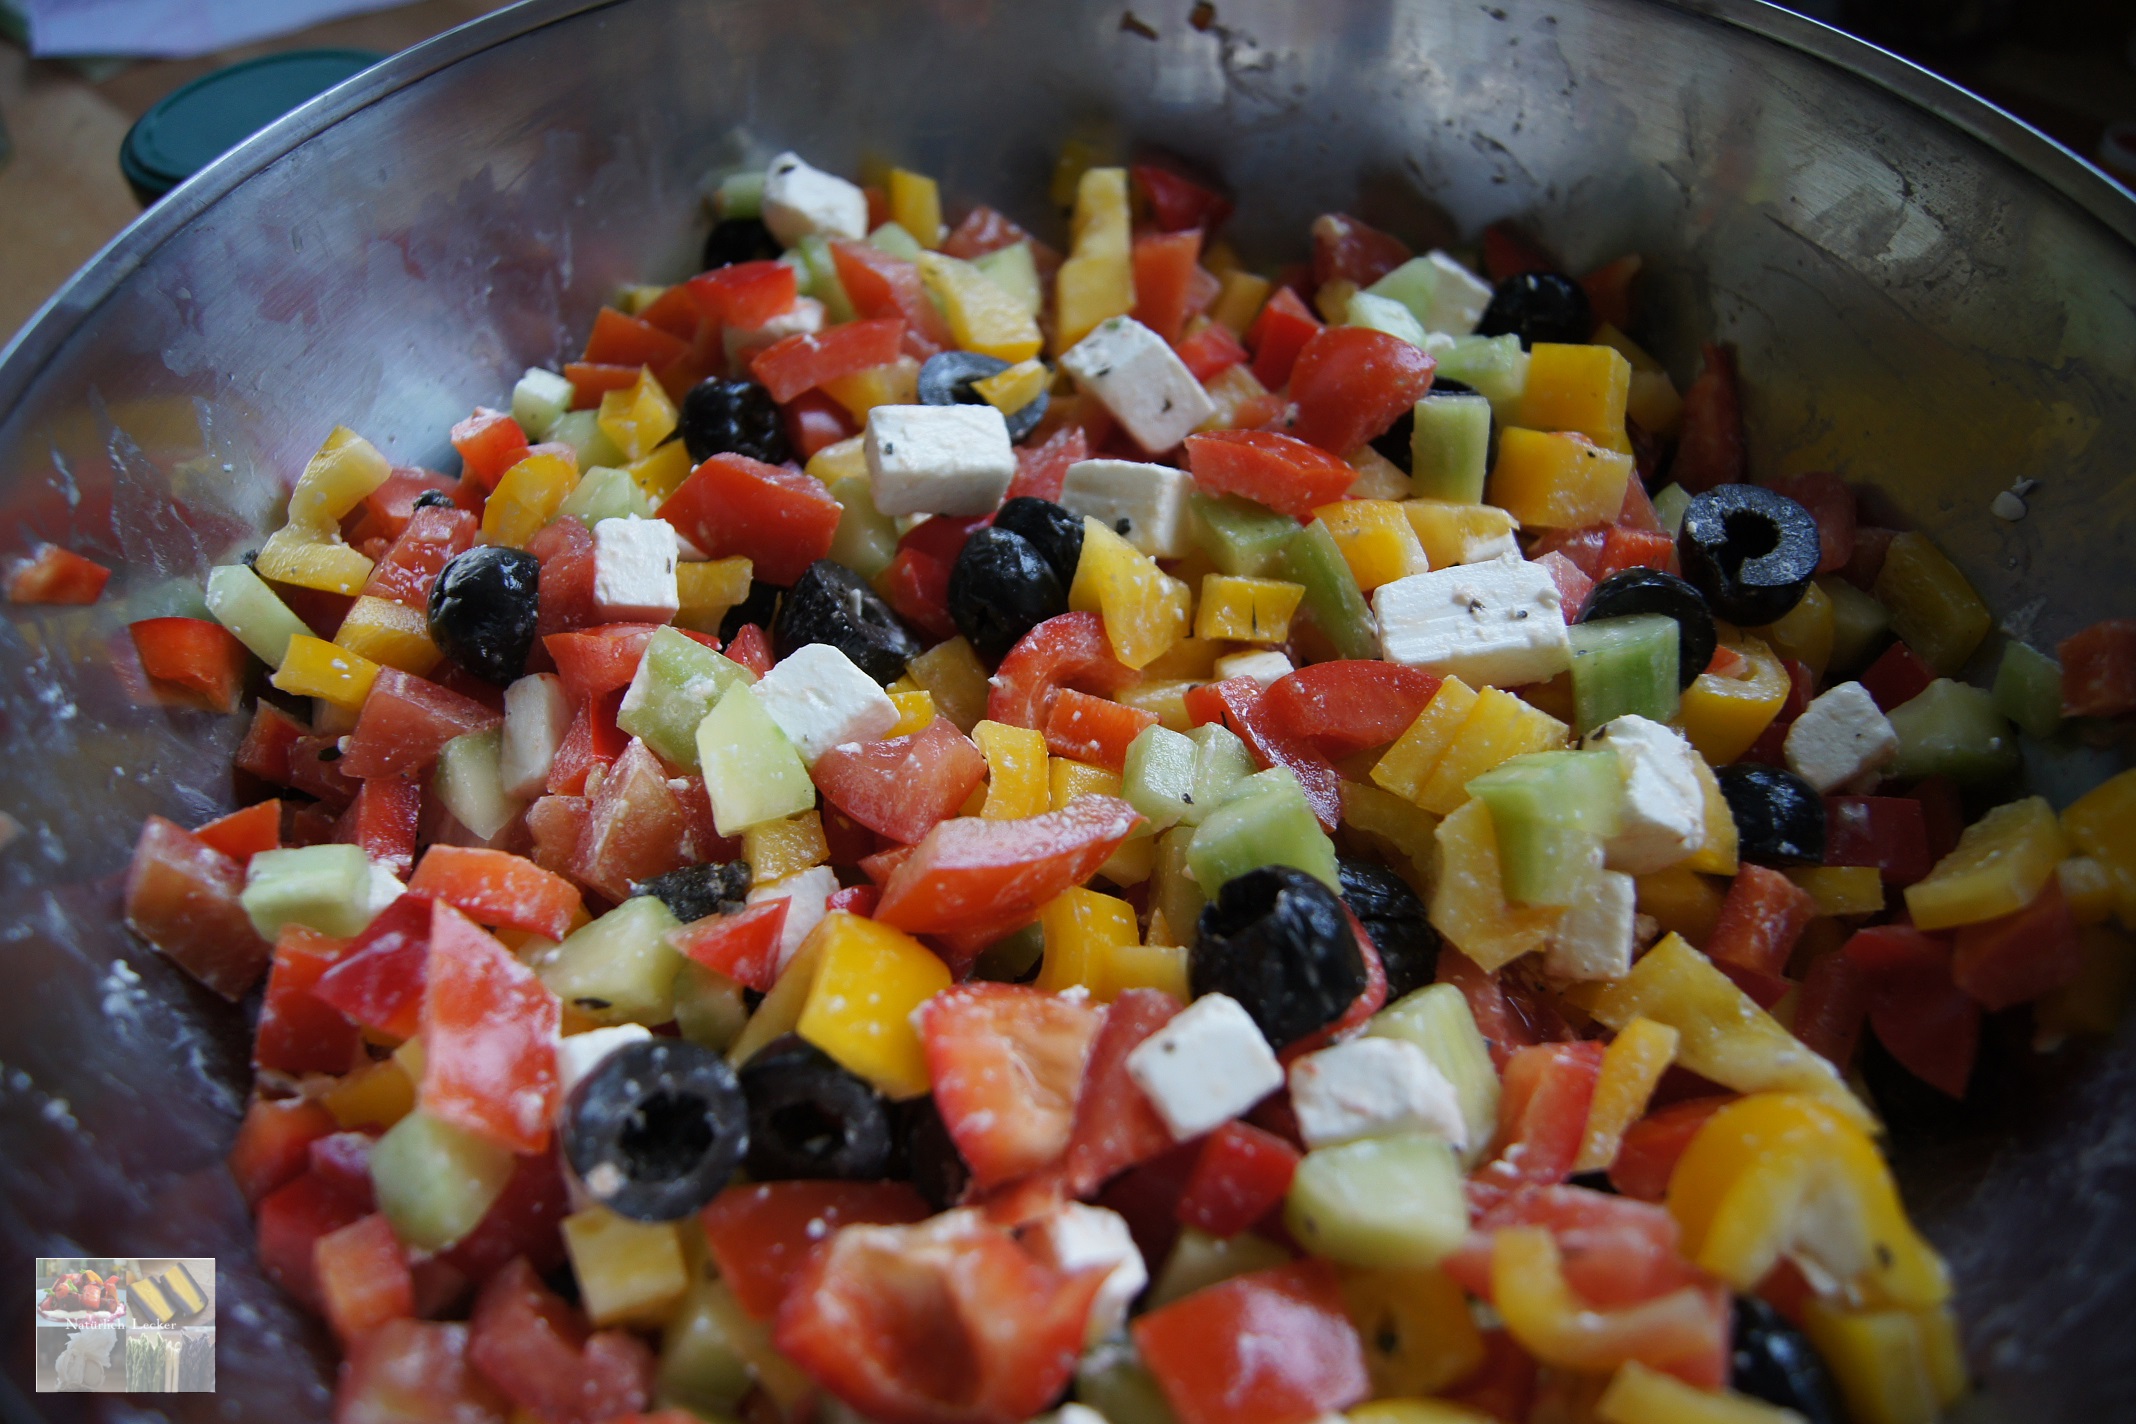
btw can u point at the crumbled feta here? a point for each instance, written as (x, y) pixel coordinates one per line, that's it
(580, 1053)
(1144, 504)
(1499, 622)
(1458, 298)
(800, 200)
(1075, 1237)
(1663, 816)
(1139, 378)
(634, 570)
(820, 700)
(537, 716)
(807, 893)
(805, 317)
(1370, 1087)
(1263, 665)
(1595, 936)
(1208, 1065)
(938, 459)
(1840, 736)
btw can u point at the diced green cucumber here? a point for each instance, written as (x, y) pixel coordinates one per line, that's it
(469, 781)
(1551, 812)
(751, 769)
(540, 400)
(1241, 538)
(1390, 1202)
(866, 541)
(676, 684)
(1624, 665)
(241, 601)
(1010, 959)
(1415, 284)
(1332, 596)
(1112, 1379)
(1199, 1260)
(1015, 271)
(620, 968)
(1437, 1019)
(605, 492)
(1158, 778)
(1669, 507)
(328, 888)
(1859, 624)
(892, 238)
(750, 1340)
(1450, 447)
(709, 1008)
(1221, 762)
(740, 195)
(823, 283)
(700, 1368)
(1953, 730)
(1383, 314)
(1173, 888)
(435, 1181)
(1272, 826)
(1494, 366)
(2028, 689)
(581, 430)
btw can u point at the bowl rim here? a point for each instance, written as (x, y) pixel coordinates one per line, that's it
(33, 348)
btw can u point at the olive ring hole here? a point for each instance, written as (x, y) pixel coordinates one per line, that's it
(665, 1136)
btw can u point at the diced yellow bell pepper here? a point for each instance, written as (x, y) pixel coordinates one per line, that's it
(1401, 825)
(981, 316)
(1557, 479)
(1408, 764)
(1932, 605)
(1891, 1366)
(1582, 389)
(2088, 888)
(915, 709)
(628, 1272)
(953, 675)
(1716, 854)
(1188, 660)
(1018, 782)
(895, 383)
(1332, 300)
(1469, 906)
(527, 497)
(1529, 1289)
(1069, 780)
(1145, 609)
(1166, 698)
(1011, 390)
(1078, 156)
(1246, 610)
(1098, 279)
(638, 417)
(2001, 862)
(317, 668)
(1460, 533)
(391, 634)
(663, 471)
(1418, 1334)
(301, 555)
(1240, 299)
(1376, 539)
(377, 1095)
(1725, 1036)
(842, 460)
(1081, 928)
(868, 981)
(916, 206)
(1498, 727)
(707, 589)
(777, 849)
(2102, 824)
(346, 468)
(1806, 633)
(781, 1008)
(1631, 1066)
(1132, 863)
(1639, 1395)
(1723, 716)
(1229, 390)
(1415, 1411)
(2093, 1002)
(1653, 400)
(1681, 901)
(1156, 965)
(1842, 889)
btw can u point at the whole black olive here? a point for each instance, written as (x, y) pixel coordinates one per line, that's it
(832, 604)
(656, 1129)
(1771, 1360)
(735, 240)
(1538, 306)
(723, 417)
(484, 609)
(761, 607)
(946, 379)
(1053, 531)
(433, 499)
(1779, 817)
(1750, 550)
(1279, 942)
(811, 1119)
(696, 891)
(1631, 591)
(1000, 589)
(1394, 916)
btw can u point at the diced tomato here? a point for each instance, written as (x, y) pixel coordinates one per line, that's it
(1653, 1144)
(523, 1221)
(1237, 702)
(489, 1037)
(806, 360)
(1177, 203)
(903, 786)
(493, 888)
(855, 900)
(265, 750)
(1508, 252)
(1347, 706)
(195, 656)
(2099, 669)
(745, 295)
(592, 740)
(1829, 501)
(385, 511)
(1624, 548)
(1241, 1175)
(880, 286)
(1278, 334)
(289, 1222)
(1115, 1126)
(1347, 250)
(565, 549)
(299, 1032)
(245, 833)
(1637, 511)
(731, 504)
(1870, 545)
(378, 983)
(916, 584)
(984, 230)
(1006, 1062)
(636, 826)
(414, 1372)
(1709, 451)
(1919, 1013)
(1609, 290)
(343, 1161)
(490, 442)
(1573, 583)
(1351, 383)
(751, 648)
(363, 1277)
(1762, 917)
(1280, 471)
(1164, 264)
(1583, 546)
(1042, 467)
(2016, 959)
(970, 873)
(56, 576)
(182, 897)
(404, 724)
(1067, 651)
(1897, 677)
(557, 823)
(761, 1236)
(744, 945)
(1542, 1118)
(1269, 1347)
(1210, 352)
(315, 768)
(538, 1351)
(383, 820)
(432, 538)
(1831, 1008)
(1617, 1251)
(592, 661)
(1888, 832)
(274, 1143)
(1092, 729)
(813, 421)
(591, 380)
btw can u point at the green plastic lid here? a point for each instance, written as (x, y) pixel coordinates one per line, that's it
(196, 124)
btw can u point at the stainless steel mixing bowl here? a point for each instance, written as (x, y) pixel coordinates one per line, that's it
(1925, 295)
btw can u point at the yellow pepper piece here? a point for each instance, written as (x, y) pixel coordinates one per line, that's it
(1081, 928)
(2088, 887)
(1725, 1036)
(1891, 1366)
(1166, 698)
(2001, 862)
(2092, 1003)
(317, 668)
(781, 1008)
(638, 417)
(1078, 156)
(1498, 727)
(1401, 825)
(707, 588)
(1716, 855)
(1681, 901)
(1806, 634)
(346, 468)
(301, 555)
(2102, 824)
(1577, 388)
(1375, 538)
(527, 497)
(776, 849)
(1653, 400)
(1189, 660)
(1068, 780)
(1418, 1334)
(1469, 906)
(375, 1096)
(1631, 1066)
(1133, 862)
(915, 709)
(981, 316)
(1246, 610)
(1098, 279)
(1933, 608)
(1557, 480)
(1415, 1411)
(1842, 889)
(846, 459)
(1460, 533)
(1240, 299)
(1723, 715)
(1638, 1395)
(1156, 965)
(916, 206)
(389, 633)
(1229, 390)
(662, 472)
(895, 383)
(953, 674)
(1540, 1310)
(1408, 764)
(1017, 779)
(628, 1272)
(1145, 609)
(868, 981)
(1011, 390)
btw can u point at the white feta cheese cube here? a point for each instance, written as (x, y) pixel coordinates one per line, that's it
(800, 200)
(1458, 298)
(634, 570)
(804, 318)
(1840, 736)
(1499, 622)
(821, 700)
(1208, 1065)
(1663, 816)
(1263, 665)
(1141, 380)
(1076, 1237)
(807, 893)
(1144, 504)
(537, 716)
(578, 1054)
(1073, 1413)
(938, 459)
(1594, 938)
(1371, 1087)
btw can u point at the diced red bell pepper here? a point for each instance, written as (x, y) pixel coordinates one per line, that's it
(1581, 547)
(591, 380)
(1897, 677)
(1269, 1347)
(813, 421)
(538, 1351)
(780, 518)
(53, 575)
(1241, 1175)
(490, 442)
(379, 982)
(745, 295)
(492, 887)
(1147, 1195)
(1542, 1119)
(299, 1032)
(1764, 989)
(1624, 548)
(916, 584)
(1609, 290)
(592, 740)
(761, 1236)
(1278, 334)
(414, 1372)
(1236, 702)
(1042, 467)
(1115, 1126)
(637, 827)
(1369, 1001)
(903, 786)
(676, 312)
(245, 833)
(2099, 670)
(1091, 729)
(2021, 956)
(1176, 202)
(383, 819)
(1888, 832)
(880, 285)
(1831, 503)
(1942, 813)
(274, 1143)
(1508, 252)
(1351, 705)
(182, 897)
(1762, 917)
(405, 723)
(315, 768)
(593, 661)
(1709, 451)
(751, 648)
(1504, 1030)
(1347, 250)
(620, 340)
(363, 1277)
(1351, 383)
(289, 1222)
(1210, 352)
(743, 945)
(317, 609)
(265, 750)
(432, 538)
(1831, 1008)
(1280, 471)
(970, 873)
(489, 1037)
(1651, 1146)
(1069, 650)
(1617, 1251)
(806, 360)
(1919, 1013)
(1006, 1062)
(194, 656)
(1870, 545)
(1164, 264)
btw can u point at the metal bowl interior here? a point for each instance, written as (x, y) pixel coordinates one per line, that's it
(1924, 296)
